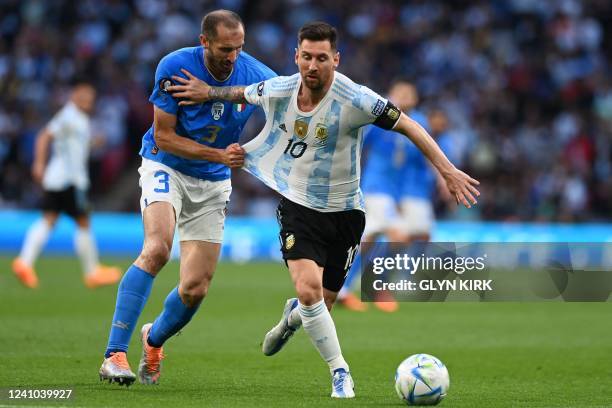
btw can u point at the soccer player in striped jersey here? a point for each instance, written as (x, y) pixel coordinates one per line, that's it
(309, 151)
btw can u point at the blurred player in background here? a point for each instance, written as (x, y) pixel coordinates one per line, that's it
(185, 181)
(382, 182)
(399, 193)
(60, 166)
(421, 182)
(309, 151)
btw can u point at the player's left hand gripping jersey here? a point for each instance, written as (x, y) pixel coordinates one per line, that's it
(216, 124)
(313, 158)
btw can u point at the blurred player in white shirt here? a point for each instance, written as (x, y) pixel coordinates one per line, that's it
(65, 181)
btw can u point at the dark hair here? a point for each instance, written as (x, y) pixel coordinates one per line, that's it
(82, 79)
(226, 17)
(318, 31)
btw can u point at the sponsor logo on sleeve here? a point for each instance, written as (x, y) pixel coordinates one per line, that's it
(378, 109)
(260, 88)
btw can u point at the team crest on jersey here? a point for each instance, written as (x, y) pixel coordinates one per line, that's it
(289, 241)
(300, 128)
(217, 110)
(393, 113)
(321, 133)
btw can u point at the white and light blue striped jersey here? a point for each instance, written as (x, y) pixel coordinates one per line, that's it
(313, 158)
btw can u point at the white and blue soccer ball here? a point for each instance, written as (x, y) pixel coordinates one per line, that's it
(421, 379)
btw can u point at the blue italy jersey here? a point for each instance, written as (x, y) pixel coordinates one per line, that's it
(216, 124)
(387, 157)
(418, 178)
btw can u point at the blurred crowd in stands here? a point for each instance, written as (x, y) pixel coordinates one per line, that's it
(526, 85)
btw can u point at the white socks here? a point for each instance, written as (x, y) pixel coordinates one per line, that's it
(320, 327)
(37, 237)
(85, 247)
(35, 240)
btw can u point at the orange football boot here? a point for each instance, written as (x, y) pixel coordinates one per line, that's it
(352, 302)
(26, 274)
(103, 275)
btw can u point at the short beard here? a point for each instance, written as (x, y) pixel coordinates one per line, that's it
(217, 68)
(317, 87)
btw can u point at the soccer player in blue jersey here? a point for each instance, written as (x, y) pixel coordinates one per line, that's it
(420, 182)
(309, 151)
(382, 182)
(185, 181)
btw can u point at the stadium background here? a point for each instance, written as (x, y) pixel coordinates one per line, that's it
(526, 86)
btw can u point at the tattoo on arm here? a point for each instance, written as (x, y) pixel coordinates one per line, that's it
(233, 94)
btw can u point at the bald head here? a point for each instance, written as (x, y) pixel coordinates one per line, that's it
(212, 20)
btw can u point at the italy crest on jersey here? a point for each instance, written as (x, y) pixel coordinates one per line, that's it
(300, 128)
(217, 110)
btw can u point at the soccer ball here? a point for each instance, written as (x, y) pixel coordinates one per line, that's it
(421, 379)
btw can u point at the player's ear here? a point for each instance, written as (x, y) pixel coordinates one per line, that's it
(203, 41)
(336, 59)
(296, 56)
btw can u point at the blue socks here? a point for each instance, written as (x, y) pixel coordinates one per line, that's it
(173, 318)
(132, 295)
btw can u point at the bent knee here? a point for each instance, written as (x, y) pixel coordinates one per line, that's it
(155, 255)
(308, 292)
(192, 295)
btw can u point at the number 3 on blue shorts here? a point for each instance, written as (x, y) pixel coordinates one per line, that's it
(164, 181)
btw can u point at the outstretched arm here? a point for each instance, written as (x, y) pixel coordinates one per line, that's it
(194, 91)
(460, 185)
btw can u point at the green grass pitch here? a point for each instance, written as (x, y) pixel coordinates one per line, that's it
(498, 354)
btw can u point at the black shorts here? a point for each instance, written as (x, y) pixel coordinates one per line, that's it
(331, 239)
(71, 201)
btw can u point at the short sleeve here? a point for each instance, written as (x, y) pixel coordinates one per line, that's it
(163, 79)
(374, 109)
(254, 93)
(259, 93)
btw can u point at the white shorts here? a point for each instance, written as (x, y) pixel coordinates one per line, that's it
(199, 205)
(414, 216)
(417, 216)
(381, 213)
